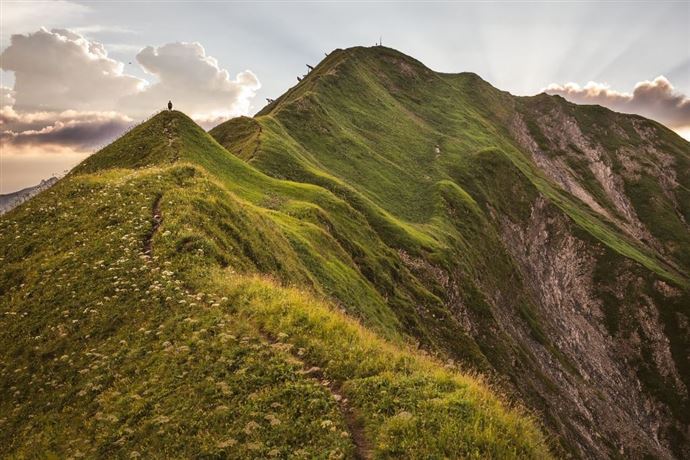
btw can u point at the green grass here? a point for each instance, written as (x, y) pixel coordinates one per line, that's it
(325, 232)
(365, 126)
(111, 353)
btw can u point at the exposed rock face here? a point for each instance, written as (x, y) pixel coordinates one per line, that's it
(601, 384)
(637, 158)
(555, 168)
(597, 385)
(567, 138)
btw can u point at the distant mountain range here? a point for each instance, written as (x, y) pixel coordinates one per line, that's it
(329, 278)
(12, 200)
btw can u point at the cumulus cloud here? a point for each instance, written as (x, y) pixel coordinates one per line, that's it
(62, 70)
(70, 96)
(194, 81)
(656, 99)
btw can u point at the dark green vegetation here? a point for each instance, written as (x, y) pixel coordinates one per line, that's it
(311, 281)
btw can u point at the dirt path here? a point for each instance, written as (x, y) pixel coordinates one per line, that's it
(169, 131)
(258, 143)
(354, 423)
(363, 449)
(156, 220)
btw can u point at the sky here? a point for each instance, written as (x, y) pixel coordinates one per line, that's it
(75, 75)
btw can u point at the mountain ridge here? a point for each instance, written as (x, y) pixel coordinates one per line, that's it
(443, 215)
(576, 187)
(273, 371)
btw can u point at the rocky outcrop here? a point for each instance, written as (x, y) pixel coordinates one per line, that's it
(565, 137)
(12, 200)
(595, 371)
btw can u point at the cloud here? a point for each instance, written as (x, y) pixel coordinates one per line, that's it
(70, 97)
(79, 130)
(656, 99)
(61, 70)
(193, 81)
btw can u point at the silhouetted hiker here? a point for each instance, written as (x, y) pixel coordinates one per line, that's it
(169, 105)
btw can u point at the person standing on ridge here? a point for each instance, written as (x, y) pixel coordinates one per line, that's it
(169, 105)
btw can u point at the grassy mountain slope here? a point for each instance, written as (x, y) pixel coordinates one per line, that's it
(554, 236)
(135, 323)
(385, 114)
(314, 276)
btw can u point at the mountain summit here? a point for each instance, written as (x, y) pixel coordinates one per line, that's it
(328, 277)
